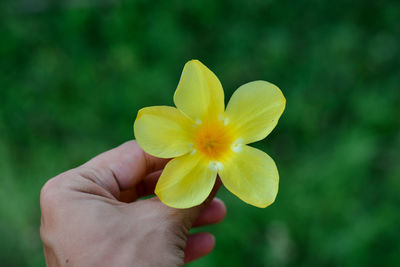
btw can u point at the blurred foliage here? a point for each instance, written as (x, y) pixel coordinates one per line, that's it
(74, 73)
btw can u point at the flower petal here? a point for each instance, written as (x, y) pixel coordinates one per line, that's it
(254, 110)
(163, 131)
(251, 175)
(199, 93)
(186, 181)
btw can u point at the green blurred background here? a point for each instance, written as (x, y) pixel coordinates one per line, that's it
(73, 75)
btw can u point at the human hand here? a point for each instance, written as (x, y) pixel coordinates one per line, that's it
(91, 215)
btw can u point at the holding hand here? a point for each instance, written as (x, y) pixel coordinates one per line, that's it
(91, 215)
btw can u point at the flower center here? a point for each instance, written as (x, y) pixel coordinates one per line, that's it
(214, 139)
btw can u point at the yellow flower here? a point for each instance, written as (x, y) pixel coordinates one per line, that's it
(205, 139)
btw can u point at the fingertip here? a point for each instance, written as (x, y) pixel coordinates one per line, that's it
(220, 204)
(214, 213)
(198, 245)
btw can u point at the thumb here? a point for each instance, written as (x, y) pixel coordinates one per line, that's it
(121, 168)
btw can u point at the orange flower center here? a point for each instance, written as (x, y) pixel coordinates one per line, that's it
(214, 139)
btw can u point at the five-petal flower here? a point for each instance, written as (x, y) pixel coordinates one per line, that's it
(205, 139)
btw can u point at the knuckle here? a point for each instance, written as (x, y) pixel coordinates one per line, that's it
(174, 215)
(50, 192)
(177, 221)
(52, 201)
(169, 217)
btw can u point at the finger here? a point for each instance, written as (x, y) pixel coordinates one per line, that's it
(143, 188)
(127, 196)
(198, 245)
(147, 186)
(122, 168)
(214, 213)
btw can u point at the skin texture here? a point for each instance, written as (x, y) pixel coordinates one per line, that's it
(91, 215)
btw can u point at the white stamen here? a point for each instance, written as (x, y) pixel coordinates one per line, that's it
(198, 121)
(237, 145)
(223, 119)
(226, 121)
(192, 149)
(216, 165)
